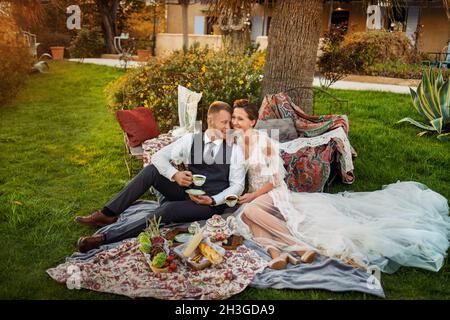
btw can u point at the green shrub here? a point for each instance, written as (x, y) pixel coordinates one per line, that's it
(395, 69)
(218, 75)
(143, 44)
(334, 63)
(432, 101)
(48, 39)
(15, 65)
(374, 47)
(88, 43)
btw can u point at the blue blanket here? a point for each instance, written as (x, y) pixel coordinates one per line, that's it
(324, 273)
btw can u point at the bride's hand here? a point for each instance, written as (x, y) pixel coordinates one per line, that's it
(246, 198)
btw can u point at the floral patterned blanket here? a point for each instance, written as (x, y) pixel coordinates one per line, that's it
(310, 166)
(123, 270)
(152, 146)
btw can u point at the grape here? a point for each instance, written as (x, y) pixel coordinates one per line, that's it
(143, 238)
(159, 259)
(145, 244)
(145, 247)
(158, 240)
(173, 267)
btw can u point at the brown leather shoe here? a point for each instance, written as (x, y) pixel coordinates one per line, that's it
(88, 243)
(96, 220)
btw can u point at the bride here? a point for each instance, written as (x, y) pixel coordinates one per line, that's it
(404, 224)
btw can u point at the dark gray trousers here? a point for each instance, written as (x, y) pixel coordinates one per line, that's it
(176, 207)
(147, 178)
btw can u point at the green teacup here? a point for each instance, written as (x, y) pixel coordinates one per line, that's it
(198, 180)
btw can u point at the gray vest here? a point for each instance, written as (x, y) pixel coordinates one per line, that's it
(217, 174)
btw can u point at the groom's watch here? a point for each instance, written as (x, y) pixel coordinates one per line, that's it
(213, 202)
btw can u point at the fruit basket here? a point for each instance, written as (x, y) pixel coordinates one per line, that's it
(156, 249)
(160, 270)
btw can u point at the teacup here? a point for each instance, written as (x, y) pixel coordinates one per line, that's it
(231, 200)
(198, 179)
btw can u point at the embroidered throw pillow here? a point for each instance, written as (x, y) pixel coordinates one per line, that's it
(286, 127)
(139, 125)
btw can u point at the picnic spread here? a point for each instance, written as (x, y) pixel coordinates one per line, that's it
(171, 263)
(124, 267)
(209, 259)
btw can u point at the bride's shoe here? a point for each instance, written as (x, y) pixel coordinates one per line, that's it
(282, 260)
(309, 256)
(279, 262)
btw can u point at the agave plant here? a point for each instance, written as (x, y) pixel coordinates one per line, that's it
(432, 100)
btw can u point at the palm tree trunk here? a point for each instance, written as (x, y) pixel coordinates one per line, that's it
(184, 18)
(292, 49)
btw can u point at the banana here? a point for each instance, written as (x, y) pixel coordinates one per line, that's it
(210, 254)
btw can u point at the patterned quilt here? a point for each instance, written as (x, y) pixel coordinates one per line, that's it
(309, 168)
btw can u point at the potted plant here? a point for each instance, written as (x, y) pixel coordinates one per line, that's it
(57, 52)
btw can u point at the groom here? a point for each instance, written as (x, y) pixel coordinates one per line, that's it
(208, 154)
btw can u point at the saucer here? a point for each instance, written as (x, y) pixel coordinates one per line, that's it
(195, 192)
(183, 237)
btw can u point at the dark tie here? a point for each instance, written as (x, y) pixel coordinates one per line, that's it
(208, 155)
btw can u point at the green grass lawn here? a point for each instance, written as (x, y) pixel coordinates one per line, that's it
(61, 156)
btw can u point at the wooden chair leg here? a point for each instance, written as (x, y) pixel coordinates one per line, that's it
(131, 167)
(127, 160)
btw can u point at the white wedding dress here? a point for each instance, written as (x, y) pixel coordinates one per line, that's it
(403, 224)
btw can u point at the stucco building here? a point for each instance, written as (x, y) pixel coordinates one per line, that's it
(426, 21)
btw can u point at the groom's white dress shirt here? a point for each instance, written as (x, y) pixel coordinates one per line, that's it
(180, 152)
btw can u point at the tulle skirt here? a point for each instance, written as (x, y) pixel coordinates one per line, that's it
(404, 224)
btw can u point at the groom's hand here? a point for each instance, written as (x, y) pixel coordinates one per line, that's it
(183, 178)
(203, 200)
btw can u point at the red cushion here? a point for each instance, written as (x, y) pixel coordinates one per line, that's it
(139, 125)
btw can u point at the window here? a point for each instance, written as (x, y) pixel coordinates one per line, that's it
(210, 22)
(199, 25)
(340, 18)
